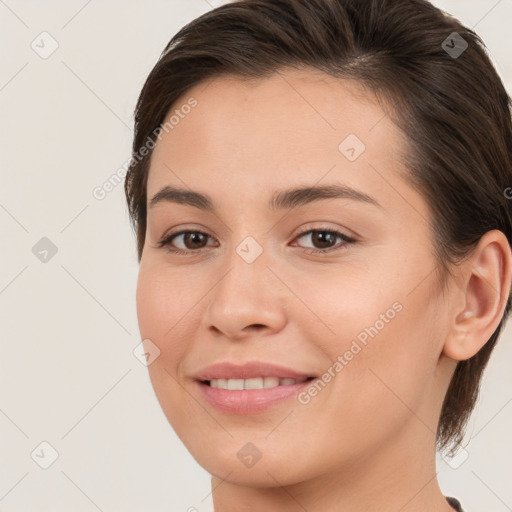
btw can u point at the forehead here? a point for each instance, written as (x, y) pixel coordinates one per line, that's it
(297, 126)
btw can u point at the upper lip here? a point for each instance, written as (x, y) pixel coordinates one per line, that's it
(248, 370)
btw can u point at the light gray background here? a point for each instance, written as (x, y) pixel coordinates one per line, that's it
(68, 328)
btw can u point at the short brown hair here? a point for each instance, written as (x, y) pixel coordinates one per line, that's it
(453, 109)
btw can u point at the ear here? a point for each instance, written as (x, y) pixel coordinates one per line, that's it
(486, 281)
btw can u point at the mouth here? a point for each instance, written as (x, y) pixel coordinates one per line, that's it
(250, 387)
(250, 396)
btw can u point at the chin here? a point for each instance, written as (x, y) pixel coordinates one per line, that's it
(243, 463)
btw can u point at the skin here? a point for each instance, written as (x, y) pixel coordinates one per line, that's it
(366, 442)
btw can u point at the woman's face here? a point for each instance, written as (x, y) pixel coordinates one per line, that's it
(367, 313)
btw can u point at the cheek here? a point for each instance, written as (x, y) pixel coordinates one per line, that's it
(385, 345)
(152, 298)
(165, 311)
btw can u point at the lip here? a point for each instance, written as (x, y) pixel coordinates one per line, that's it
(248, 370)
(248, 401)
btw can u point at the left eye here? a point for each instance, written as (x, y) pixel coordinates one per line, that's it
(326, 238)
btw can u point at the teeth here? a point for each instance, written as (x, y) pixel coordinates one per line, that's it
(235, 384)
(254, 383)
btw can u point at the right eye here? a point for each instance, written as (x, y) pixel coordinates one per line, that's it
(190, 237)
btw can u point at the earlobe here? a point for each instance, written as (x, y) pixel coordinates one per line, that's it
(486, 281)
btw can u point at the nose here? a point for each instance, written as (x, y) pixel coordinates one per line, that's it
(248, 299)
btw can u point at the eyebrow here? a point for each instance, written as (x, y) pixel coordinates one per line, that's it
(281, 199)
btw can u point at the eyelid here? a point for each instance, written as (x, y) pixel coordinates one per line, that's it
(312, 226)
(319, 226)
(177, 230)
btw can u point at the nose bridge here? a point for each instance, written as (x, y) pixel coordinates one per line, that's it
(247, 293)
(247, 272)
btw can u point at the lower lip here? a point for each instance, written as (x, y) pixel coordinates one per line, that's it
(249, 401)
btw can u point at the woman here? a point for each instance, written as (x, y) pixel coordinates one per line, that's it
(318, 190)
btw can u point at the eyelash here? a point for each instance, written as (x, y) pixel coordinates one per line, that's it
(347, 240)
